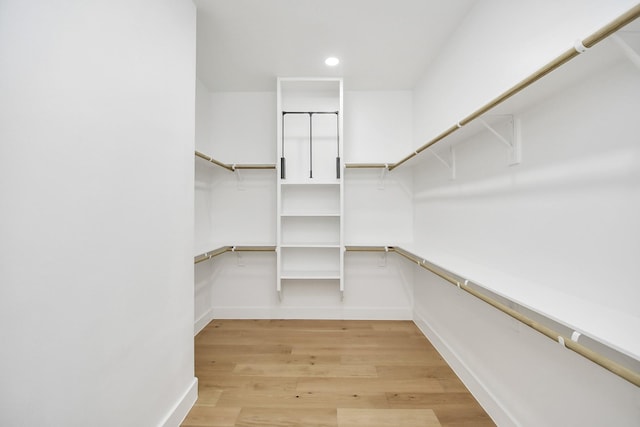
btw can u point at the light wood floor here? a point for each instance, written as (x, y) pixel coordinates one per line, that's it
(325, 373)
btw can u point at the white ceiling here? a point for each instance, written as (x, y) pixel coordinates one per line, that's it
(243, 45)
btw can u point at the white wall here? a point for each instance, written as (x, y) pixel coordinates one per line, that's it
(377, 127)
(232, 211)
(518, 375)
(499, 43)
(557, 233)
(96, 177)
(243, 127)
(378, 204)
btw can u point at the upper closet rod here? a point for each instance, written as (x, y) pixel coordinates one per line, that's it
(233, 168)
(579, 47)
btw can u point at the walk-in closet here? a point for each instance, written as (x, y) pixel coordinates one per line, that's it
(336, 212)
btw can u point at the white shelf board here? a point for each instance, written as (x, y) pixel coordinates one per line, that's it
(310, 245)
(308, 214)
(310, 275)
(310, 182)
(613, 328)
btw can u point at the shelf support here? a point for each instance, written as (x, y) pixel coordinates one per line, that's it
(239, 180)
(383, 258)
(239, 260)
(383, 175)
(450, 164)
(628, 51)
(512, 141)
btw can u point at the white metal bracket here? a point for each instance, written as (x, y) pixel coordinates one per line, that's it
(512, 140)
(575, 336)
(239, 178)
(629, 52)
(383, 175)
(449, 163)
(382, 262)
(239, 260)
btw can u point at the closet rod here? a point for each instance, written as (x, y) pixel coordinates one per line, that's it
(563, 58)
(608, 364)
(208, 255)
(571, 53)
(254, 166)
(310, 112)
(366, 165)
(233, 168)
(214, 161)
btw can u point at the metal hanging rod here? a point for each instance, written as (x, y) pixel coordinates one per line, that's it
(214, 161)
(563, 58)
(219, 251)
(233, 167)
(310, 112)
(283, 174)
(254, 166)
(614, 367)
(367, 165)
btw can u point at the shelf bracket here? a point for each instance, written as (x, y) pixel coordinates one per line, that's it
(383, 175)
(382, 262)
(239, 260)
(239, 179)
(512, 141)
(628, 51)
(450, 163)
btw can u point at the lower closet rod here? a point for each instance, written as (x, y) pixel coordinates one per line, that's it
(608, 364)
(208, 255)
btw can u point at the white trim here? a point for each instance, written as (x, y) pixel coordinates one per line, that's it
(498, 413)
(179, 412)
(202, 321)
(323, 313)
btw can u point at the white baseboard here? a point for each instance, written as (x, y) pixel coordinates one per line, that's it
(182, 407)
(324, 313)
(202, 321)
(480, 391)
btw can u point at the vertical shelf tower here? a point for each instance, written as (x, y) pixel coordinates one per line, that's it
(310, 242)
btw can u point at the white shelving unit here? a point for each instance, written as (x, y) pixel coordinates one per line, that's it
(310, 242)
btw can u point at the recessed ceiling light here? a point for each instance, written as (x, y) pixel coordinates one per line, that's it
(332, 61)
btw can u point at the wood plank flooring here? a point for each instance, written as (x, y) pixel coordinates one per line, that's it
(330, 373)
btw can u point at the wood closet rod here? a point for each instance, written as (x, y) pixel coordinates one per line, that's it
(563, 58)
(221, 250)
(622, 371)
(233, 168)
